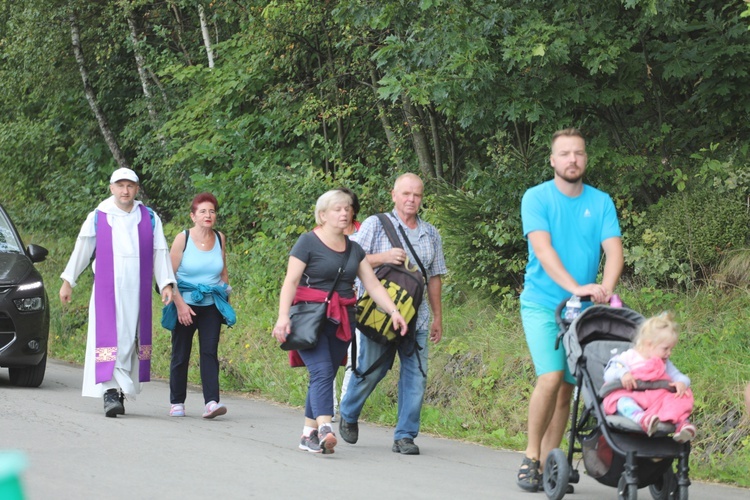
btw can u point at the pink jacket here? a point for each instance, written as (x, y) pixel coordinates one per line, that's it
(660, 402)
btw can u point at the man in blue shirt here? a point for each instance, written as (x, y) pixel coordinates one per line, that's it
(567, 224)
(424, 238)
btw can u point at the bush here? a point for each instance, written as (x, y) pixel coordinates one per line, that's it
(481, 222)
(685, 235)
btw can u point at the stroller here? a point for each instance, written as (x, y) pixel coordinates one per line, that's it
(616, 451)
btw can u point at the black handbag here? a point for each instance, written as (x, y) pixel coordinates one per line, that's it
(307, 318)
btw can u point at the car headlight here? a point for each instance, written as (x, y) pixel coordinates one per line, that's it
(30, 286)
(29, 304)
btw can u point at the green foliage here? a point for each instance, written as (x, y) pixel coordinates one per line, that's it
(481, 222)
(486, 246)
(308, 95)
(687, 233)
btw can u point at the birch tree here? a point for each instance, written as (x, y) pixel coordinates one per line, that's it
(206, 36)
(88, 90)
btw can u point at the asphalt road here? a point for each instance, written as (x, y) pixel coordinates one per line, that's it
(74, 452)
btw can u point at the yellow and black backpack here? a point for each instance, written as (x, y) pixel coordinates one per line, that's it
(405, 284)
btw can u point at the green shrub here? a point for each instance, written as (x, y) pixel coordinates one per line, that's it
(685, 235)
(481, 222)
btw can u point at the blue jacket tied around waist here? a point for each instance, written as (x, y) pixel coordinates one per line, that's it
(197, 292)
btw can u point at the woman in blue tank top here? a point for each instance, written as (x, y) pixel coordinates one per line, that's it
(198, 259)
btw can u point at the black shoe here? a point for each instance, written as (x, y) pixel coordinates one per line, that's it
(348, 432)
(405, 446)
(112, 404)
(122, 402)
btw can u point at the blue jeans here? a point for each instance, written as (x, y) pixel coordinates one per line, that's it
(322, 362)
(411, 384)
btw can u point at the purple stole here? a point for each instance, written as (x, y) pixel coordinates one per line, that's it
(104, 298)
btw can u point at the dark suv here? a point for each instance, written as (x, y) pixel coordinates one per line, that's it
(24, 308)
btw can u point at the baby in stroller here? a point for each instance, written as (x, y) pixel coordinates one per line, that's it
(648, 361)
(617, 451)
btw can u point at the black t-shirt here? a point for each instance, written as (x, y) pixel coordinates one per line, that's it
(323, 264)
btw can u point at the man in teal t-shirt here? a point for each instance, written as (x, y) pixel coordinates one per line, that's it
(567, 224)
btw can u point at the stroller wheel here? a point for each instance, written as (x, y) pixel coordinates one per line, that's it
(556, 474)
(626, 491)
(682, 493)
(665, 487)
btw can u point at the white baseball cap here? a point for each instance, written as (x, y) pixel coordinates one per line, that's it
(123, 174)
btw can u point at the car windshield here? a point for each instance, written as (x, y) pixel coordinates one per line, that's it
(8, 241)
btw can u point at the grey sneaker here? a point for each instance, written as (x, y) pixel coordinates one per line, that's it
(405, 446)
(112, 404)
(327, 439)
(349, 432)
(310, 443)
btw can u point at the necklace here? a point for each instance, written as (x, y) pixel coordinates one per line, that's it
(203, 243)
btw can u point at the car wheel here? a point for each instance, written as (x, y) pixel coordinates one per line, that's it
(29, 376)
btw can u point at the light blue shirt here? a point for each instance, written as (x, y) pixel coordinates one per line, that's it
(202, 267)
(577, 227)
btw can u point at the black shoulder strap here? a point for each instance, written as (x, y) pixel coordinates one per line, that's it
(342, 267)
(390, 231)
(413, 252)
(187, 235)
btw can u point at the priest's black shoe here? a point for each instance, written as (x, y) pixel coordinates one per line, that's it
(112, 404)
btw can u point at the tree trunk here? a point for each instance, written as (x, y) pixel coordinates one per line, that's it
(384, 121)
(327, 164)
(140, 63)
(91, 95)
(206, 36)
(158, 84)
(340, 132)
(178, 31)
(436, 143)
(419, 138)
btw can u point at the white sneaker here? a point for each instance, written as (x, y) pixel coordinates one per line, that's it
(177, 410)
(214, 409)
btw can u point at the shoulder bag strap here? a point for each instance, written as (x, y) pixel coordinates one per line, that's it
(390, 231)
(218, 237)
(344, 261)
(413, 253)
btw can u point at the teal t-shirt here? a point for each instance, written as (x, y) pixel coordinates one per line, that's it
(577, 227)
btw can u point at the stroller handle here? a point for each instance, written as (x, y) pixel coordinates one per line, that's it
(558, 312)
(562, 323)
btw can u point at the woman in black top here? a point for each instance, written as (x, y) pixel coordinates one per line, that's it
(313, 265)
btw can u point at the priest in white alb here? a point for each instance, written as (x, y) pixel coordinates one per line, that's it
(127, 240)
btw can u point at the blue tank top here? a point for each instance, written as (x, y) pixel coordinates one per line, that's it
(200, 267)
